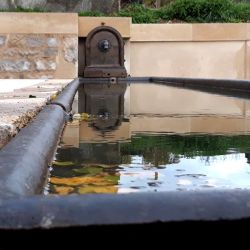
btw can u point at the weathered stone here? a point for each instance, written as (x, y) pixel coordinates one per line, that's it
(14, 66)
(31, 3)
(6, 131)
(58, 6)
(52, 42)
(4, 5)
(105, 6)
(35, 41)
(40, 66)
(46, 77)
(11, 52)
(28, 52)
(16, 40)
(80, 5)
(51, 66)
(2, 40)
(69, 5)
(71, 49)
(43, 65)
(50, 52)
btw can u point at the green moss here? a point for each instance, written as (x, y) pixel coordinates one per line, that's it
(206, 11)
(140, 14)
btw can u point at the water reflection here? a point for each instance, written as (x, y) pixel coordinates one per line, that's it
(143, 138)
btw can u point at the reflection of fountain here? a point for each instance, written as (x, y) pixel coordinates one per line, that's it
(105, 103)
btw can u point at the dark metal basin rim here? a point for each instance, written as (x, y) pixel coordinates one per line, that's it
(24, 162)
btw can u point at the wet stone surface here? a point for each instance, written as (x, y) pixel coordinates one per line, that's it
(19, 106)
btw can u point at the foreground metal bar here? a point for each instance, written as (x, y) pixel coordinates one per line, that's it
(66, 98)
(112, 209)
(24, 161)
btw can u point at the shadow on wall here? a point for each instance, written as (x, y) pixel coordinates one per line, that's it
(106, 6)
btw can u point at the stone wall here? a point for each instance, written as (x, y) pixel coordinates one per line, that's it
(36, 55)
(45, 45)
(49, 50)
(106, 6)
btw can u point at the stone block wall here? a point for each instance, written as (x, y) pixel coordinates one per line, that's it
(36, 55)
(45, 45)
(49, 50)
(106, 6)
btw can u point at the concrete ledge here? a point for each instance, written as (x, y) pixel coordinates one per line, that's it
(161, 32)
(17, 109)
(122, 24)
(38, 23)
(220, 32)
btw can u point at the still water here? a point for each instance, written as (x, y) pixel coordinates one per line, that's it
(152, 138)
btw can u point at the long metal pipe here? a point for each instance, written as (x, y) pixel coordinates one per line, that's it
(66, 98)
(122, 209)
(24, 160)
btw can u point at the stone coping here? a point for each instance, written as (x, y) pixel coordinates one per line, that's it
(38, 23)
(122, 24)
(190, 32)
(22, 100)
(70, 23)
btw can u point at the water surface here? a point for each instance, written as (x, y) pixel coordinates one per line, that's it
(152, 138)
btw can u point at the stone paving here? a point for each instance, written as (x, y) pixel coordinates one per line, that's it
(21, 100)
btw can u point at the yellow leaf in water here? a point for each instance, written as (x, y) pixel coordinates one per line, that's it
(63, 163)
(62, 190)
(85, 116)
(97, 189)
(82, 180)
(53, 97)
(99, 165)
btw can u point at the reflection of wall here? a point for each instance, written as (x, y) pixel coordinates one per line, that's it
(88, 134)
(75, 134)
(189, 124)
(71, 134)
(102, 153)
(163, 100)
(178, 111)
